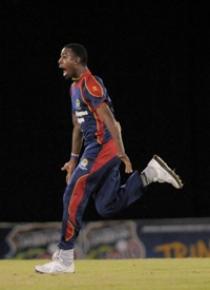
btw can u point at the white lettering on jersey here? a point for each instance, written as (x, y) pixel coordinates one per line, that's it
(81, 113)
(80, 116)
(80, 120)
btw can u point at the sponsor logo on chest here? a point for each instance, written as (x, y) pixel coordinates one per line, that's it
(80, 116)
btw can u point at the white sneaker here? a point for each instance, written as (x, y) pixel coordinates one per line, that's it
(54, 268)
(164, 173)
(57, 265)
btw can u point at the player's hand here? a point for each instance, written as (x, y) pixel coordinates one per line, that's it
(69, 167)
(128, 166)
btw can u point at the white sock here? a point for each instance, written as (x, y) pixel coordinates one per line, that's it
(67, 256)
(148, 175)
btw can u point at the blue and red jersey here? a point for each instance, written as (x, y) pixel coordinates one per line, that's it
(87, 94)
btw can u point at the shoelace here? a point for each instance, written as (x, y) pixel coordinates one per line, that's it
(57, 256)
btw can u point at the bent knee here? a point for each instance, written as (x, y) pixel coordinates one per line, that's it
(103, 211)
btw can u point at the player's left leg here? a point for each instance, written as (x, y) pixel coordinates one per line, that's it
(112, 197)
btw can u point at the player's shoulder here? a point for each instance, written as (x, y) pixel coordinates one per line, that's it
(94, 85)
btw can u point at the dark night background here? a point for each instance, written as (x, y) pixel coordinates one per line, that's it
(151, 60)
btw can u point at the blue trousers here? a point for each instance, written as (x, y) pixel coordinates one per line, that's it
(97, 175)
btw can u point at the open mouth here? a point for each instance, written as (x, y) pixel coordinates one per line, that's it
(64, 73)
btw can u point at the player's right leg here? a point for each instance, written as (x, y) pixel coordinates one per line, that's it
(74, 203)
(75, 199)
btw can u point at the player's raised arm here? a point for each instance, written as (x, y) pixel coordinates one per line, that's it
(114, 128)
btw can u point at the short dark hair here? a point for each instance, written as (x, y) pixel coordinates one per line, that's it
(79, 50)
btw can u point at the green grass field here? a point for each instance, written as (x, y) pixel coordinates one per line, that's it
(141, 274)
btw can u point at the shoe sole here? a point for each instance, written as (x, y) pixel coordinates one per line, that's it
(53, 273)
(169, 170)
(40, 272)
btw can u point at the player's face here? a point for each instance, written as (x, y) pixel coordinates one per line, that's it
(68, 63)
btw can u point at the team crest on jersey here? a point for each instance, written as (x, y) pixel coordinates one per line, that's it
(83, 164)
(95, 88)
(78, 104)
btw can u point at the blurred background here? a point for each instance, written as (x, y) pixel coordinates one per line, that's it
(154, 62)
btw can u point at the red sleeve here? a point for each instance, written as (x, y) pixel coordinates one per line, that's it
(94, 91)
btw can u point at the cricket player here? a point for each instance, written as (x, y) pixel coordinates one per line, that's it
(95, 170)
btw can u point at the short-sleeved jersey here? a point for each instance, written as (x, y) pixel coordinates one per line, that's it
(87, 94)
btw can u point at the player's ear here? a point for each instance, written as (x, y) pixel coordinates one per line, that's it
(77, 60)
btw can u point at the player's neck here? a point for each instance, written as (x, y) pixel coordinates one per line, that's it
(79, 73)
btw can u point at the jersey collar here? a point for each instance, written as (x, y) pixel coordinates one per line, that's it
(82, 76)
